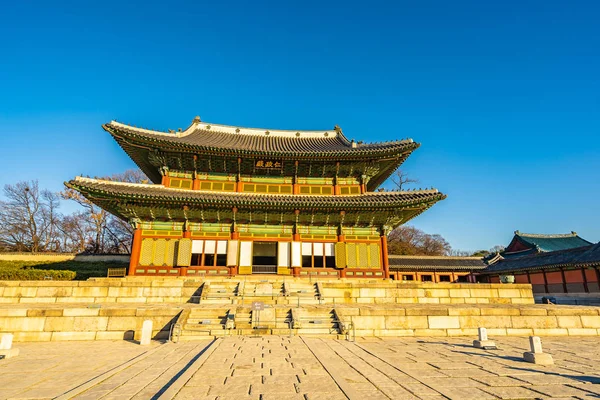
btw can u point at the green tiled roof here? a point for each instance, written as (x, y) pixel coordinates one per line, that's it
(552, 242)
(586, 256)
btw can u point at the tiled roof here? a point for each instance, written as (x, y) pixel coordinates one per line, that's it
(159, 193)
(437, 263)
(551, 242)
(575, 257)
(209, 137)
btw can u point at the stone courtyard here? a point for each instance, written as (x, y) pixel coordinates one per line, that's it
(276, 367)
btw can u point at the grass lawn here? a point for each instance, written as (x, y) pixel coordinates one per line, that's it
(61, 270)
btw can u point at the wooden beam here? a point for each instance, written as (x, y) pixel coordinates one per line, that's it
(585, 283)
(564, 280)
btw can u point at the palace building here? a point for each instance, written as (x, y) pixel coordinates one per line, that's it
(228, 200)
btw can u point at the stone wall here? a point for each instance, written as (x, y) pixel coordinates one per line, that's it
(56, 257)
(55, 323)
(425, 293)
(332, 292)
(509, 320)
(98, 291)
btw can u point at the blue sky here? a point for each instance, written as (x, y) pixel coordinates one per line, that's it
(504, 96)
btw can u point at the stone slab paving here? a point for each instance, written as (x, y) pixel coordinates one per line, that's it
(275, 367)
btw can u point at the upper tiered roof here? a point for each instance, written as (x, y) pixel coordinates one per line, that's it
(150, 148)
(202, 136)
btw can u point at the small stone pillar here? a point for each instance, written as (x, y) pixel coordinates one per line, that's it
(146, 333)
(483, 342)
(6, 349)
(536, 355)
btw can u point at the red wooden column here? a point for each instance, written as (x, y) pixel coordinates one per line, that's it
(295, 187)
(136, 248)
(235, 235)
(384, 256)
(342, 239)
(165, 181)
(296, 270)
(234, 269)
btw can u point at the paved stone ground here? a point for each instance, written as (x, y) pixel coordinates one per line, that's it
(305, 368)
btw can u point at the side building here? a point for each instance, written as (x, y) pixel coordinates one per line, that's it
(558, 265)
(229, 200)
(435, 268)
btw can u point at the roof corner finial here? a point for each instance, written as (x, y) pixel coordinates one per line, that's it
(337, 129)
(573, 233)
(196, 120)
(517, 232)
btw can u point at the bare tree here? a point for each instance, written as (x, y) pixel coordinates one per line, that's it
(400, 179)
(460, 253)
(29, 218)
(106, 232)
(497, 249)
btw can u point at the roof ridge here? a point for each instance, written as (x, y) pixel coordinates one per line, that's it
(424, 257)
(546, 235)
(198, 125)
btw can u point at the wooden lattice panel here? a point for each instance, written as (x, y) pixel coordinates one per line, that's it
(374, 256)
(184, 253)
(363, 255)
(351, 255)
(160, 250)
(170, 253)
(146, 252)
(340, 255)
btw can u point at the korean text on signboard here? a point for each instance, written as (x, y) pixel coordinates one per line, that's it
(267, 164)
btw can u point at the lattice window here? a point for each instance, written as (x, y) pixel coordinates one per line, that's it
(218, 186)
(316, 190)
(374, 255)
(264, 188)
(363, 255)
(180, 183)
(347, 190)
(184, 253)
(352, 255)
(146, 252)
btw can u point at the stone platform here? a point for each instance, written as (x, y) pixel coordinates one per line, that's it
(301, 368)
(114, 309)
(198, 321)
(271, 289)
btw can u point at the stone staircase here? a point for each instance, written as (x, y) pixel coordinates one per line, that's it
(202, 323)
(219, 292)
(316, 321)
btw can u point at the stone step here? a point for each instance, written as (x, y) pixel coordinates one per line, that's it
(202, 328)
(206, 321)
(216, 301)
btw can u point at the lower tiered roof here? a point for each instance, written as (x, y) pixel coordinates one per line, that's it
(131, 200)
